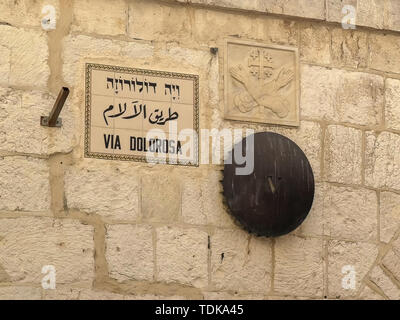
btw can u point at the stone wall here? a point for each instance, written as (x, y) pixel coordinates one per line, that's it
(101, 223)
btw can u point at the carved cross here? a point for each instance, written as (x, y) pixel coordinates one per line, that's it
(260, 63)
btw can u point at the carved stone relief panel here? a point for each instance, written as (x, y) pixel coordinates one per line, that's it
(261, 83)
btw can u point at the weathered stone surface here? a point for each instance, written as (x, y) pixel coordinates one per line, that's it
(385, 283)
(315, 223)
(129, 252)
(350, 213)
(157, 21)
(77, 49)
(5, 59)
(182, 256)
(231, 296)
(369, 294)
(369, 13)
(161, 198)
(26, 12)
(349, 48)
(389, 215)
(61, 293)
(28, 244)
(384, 52)
(392, 264)
(24, 184)
(391, 17)
(99, 295)
(392, 106)
(382, 161)
(199, 58)
(240, 262)
(110, 191)
(299, 266)
(343, 155)
(74, 293)
(213, 25)
(396, 246)
(28, 53)
(20, 293)
(113, 22)
(315, 44)
(153, 297)
(279, 31)
(314, 9)
(360, 256)
(341, 96)
(202, 201)
(19, 129)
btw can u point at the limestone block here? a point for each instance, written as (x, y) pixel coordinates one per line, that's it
(28, 244)
(392, 264)
(28, 54)
(315, 44)
(368, 294)
(349, 48)
(389, 215)
(392, 106)
(80, 48)
(350, 213)
(24, 184)
(61, 293)
(212, 25)
(231, 297)
(161, 198)
(279, 31)
(182, 256)
(315, 224)
(341, 96)
(357, 255)
(153, 297)
(194, 57)
(19, 125)
(158, 21)
(396, 246)
(129, 252)
(111, 21)
(384, 52)
(99, 295)
(343, 155)
(369, 13)
(240, 262)
(26, 12)
(110, 191)
(202, 201)
(385, 283)
(391, 17)
(5, 64)
(382, 161)
(20, 293)
(298, 266)
(314, 9)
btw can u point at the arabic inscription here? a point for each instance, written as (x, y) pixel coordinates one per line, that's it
(124, 105)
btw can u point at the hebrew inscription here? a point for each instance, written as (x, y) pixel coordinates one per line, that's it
(261, 83)
(141, 115)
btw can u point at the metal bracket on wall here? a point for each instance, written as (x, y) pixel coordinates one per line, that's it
(52, 120)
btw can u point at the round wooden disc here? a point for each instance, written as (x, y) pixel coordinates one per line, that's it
(277, 196)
